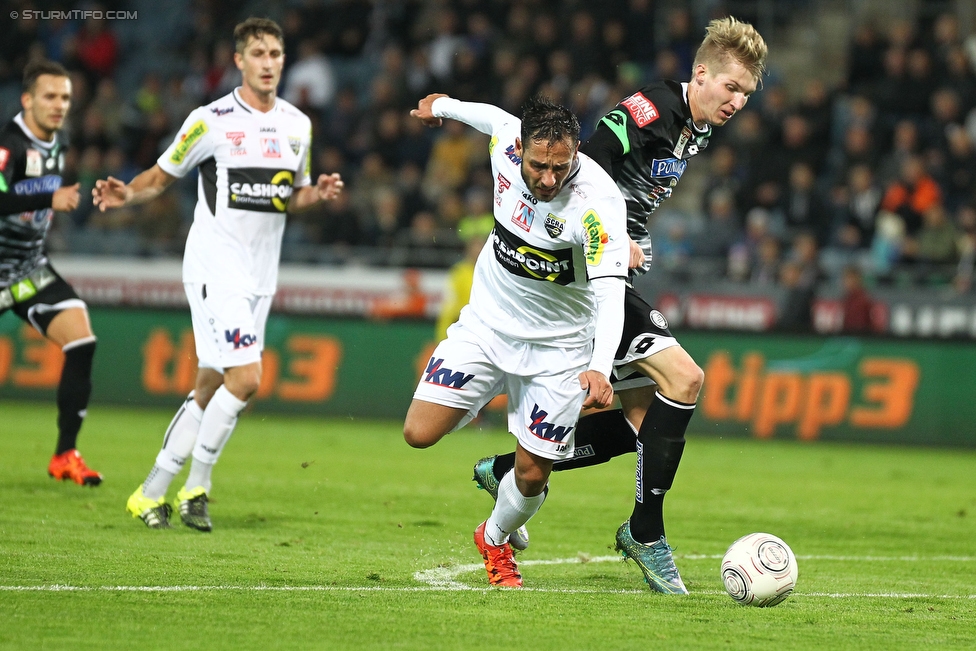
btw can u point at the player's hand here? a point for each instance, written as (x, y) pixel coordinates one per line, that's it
(329, 186)
(66, 199)
(110, 193)
(425, 113)
(636, 255)
(599, 392)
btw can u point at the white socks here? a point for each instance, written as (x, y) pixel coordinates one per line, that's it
(216, 426)
(177, 445)
(512, 510)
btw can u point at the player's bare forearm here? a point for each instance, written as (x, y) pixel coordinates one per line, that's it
(113, 193)
(327, 187)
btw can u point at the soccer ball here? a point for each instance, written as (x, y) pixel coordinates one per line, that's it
(759, 570)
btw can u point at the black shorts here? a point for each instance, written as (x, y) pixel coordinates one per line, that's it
(645, 333)
(40, 297)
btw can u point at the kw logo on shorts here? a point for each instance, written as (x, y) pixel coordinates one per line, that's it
(240, 341)
(519, 258)
(547, 431)
(259, 188)
(445, 377)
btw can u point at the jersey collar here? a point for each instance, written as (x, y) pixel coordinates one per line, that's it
(250, 109)
(684, 96)
(19, 119)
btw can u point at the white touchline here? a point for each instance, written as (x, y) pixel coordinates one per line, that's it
(444, 579)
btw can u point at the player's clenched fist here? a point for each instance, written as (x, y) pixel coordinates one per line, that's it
(66, 198)
(424, 111)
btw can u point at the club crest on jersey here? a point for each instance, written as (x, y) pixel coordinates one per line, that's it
(295, 144)
(35, 166)
(512, 156)
(218, 111)
(658, 319)
(270, 148)
(555, 225)
(547, 431)
(671, 168)
(641, 109)
(523, 216)
(236, 137)
(444, 377)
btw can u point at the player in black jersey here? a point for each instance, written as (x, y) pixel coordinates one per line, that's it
(645, 143)
(31, 164)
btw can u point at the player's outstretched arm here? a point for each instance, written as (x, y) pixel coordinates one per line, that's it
(327, 187)
(113, 193)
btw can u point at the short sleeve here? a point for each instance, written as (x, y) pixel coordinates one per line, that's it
(193, 146)
(605, 245)
(304, 175)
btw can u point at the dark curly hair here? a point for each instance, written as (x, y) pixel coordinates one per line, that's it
(543, 119)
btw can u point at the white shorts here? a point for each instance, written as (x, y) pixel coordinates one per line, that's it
(228, 324)
(475, 363)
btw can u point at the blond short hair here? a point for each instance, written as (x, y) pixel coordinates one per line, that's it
(727, 40)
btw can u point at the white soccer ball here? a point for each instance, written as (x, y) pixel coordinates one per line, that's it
(759, 570)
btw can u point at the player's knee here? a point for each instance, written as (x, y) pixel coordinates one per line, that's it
(531, 481)
(418, 436)
(685, 381)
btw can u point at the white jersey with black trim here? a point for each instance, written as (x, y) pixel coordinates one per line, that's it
(249, 162)
(531, 281)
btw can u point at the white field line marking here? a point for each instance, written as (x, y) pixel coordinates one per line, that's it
(444, 579)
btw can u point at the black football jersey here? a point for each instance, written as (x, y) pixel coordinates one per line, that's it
(30, 172)
(656, 136)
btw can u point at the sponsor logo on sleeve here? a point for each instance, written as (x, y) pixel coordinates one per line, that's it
(641, 109)
(491, 145)
(270, 148)
(259, 189)
(597, 238)
(187, 141)
(35, 164)
(555, 225)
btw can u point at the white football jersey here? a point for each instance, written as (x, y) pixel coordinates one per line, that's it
(531, 279)
(250, 162)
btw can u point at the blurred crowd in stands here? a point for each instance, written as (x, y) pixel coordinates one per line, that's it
(876, 173)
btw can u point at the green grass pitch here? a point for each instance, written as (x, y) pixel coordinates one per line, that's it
(334, 534)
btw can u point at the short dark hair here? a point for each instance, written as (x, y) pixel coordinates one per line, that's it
(543, 119)
(38, 67)
(256, 28)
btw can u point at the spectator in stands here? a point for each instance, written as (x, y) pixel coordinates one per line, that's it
(966, 270)
(796, 308)
(959, 168)
(936, 242)
(310, 82)
(97, 48)
(858, 209)
(451, 157)
(856, 303)
(913, 193)
(805, 253)
(721, 226)
(804, 207)
(766, 267)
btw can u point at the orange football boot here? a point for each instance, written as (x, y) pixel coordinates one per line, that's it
(499, 561)
(71, 465)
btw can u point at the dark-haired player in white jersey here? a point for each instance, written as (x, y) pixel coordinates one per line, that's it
(31, 163)
(645, 143)
(549, 279)
(253, 152)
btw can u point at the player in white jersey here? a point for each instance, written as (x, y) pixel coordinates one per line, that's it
(253, 152)
(548, 283)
